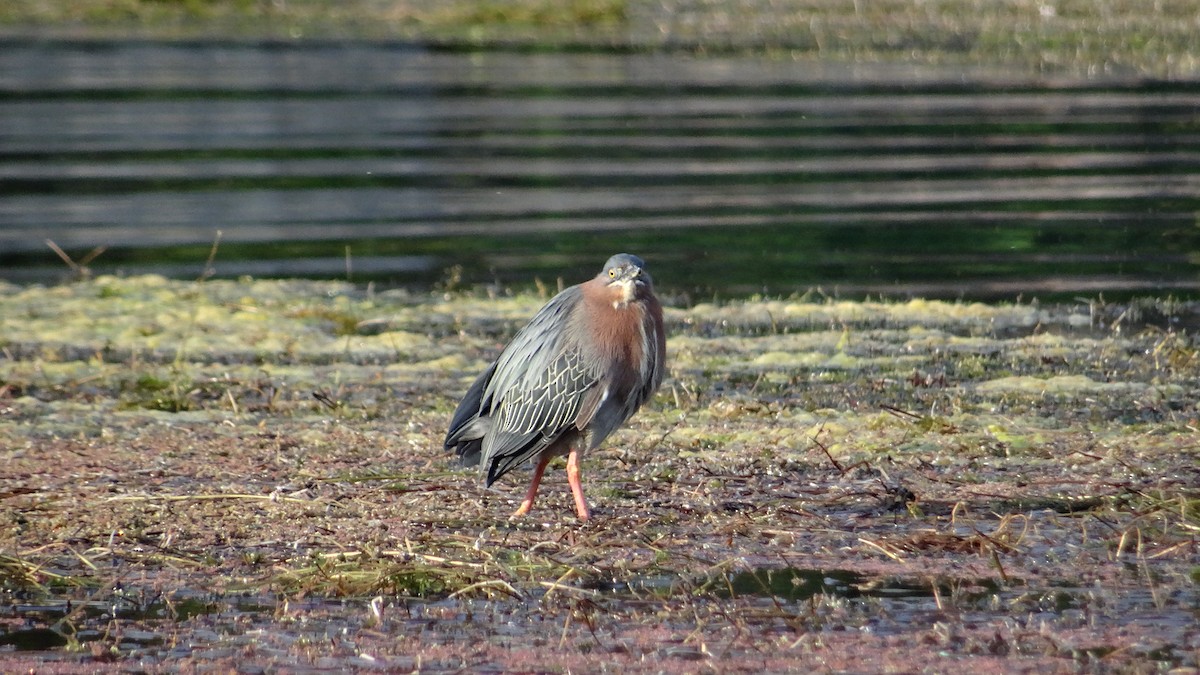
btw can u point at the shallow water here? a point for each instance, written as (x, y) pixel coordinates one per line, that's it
(732, 175)
(195, 627)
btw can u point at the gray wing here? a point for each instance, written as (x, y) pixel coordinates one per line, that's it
(541, 385)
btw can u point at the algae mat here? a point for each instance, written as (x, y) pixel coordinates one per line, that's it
(248, 474)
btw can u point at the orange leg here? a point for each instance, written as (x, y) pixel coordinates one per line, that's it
(581, 507)
(527, 503)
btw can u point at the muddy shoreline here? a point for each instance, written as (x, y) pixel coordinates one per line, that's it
(821, 484)
(1081, 40)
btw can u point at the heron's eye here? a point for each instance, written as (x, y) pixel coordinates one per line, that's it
(612, 273)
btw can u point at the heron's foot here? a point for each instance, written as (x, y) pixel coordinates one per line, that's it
(525, 507)
(583, 513)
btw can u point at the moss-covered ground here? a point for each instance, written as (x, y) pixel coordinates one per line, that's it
(1078, 37)
(250, 473)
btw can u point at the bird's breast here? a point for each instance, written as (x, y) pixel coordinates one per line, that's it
(614, 335)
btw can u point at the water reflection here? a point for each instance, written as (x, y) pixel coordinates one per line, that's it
(732, 175)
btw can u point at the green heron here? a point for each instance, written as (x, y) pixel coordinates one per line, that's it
(576, 372)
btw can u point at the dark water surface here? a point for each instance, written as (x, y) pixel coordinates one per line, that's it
(731, 175)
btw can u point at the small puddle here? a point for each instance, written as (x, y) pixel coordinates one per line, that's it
(54, 624)
(791, 583)
(33, 639)
(795, 584)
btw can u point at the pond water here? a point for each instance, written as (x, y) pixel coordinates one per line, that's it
(195, 627)
(730, 175)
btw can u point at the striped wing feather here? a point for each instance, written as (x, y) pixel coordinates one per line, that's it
(526, 421)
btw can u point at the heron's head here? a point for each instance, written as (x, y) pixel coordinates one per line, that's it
(626, 276)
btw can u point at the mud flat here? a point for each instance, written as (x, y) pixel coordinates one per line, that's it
(249, 473)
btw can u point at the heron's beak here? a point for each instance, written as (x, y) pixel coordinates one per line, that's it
(625, 286)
